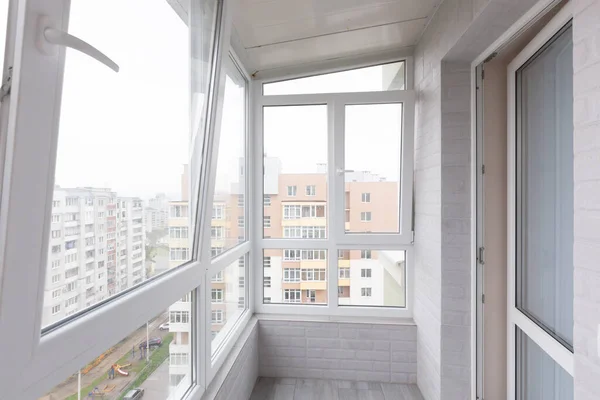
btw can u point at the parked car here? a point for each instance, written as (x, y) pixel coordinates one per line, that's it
(134, 394)
(164, 327)
(154, 342)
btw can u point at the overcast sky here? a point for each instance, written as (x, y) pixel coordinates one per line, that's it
(130, 130)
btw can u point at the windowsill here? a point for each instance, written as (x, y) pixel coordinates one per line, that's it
(335, 319)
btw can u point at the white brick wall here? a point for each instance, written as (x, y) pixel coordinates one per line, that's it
(238, 374)
(335, 350)
(586, 91)
(458, 32)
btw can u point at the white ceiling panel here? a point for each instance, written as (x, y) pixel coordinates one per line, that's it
(339, 45)
(278, 33)
(306, 25)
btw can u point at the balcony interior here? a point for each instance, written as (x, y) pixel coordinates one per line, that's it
(320, 244)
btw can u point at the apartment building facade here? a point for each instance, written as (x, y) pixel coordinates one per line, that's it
(296, 207)
(97, 249)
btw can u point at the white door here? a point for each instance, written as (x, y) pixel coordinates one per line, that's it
(540, 216)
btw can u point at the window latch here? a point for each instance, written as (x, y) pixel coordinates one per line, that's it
(341, 171)
(49, 38)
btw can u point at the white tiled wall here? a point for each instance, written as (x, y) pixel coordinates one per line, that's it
(237, 376)
(335, 350)
(586, 67)
(458, 32)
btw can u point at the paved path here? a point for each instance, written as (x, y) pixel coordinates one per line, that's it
(156, 387)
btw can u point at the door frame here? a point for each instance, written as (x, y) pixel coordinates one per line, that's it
(561, 355)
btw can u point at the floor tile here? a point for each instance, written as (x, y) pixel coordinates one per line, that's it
(264, 389)
(284, 392)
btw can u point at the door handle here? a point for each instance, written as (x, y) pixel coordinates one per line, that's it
(50, 38)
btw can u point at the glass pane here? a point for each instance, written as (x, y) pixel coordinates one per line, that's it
(156, 358)
(372, 278)
(372, 162)
(111, 155)
(538, 376)
(228, 225)
(545, 188)
(228, 300)
(377, 78)
(295, 165)
(295, 276)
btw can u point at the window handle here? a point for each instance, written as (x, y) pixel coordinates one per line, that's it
(50, 38)
(341, 171)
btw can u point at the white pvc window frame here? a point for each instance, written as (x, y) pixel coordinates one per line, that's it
(516, 318)
(337, 238)
(43, 359)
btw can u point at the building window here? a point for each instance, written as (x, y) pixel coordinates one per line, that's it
(179, 254)
(366, 197)
(365, 254)
(311, 190)
(179, 211)
(292, 296)
(218, 211)
(216, 232)
(291, 190)
(217, 295)
(240, 200)
(365, 292)
(267, 281)
(71, 201)
(267, 221)
(311, 295)
(241, 281)
(218, 277)
(266, 262)
(309, 255)
(215, 251)
(56, 309)
(178, 232)
(55, 264)
(266, 299)
(241, 302)
(267, 200)
(55, 203)
(313, 211)
(344, 273)
(291, 255)
(179, 317)
(304, 232)
(242, 262)
(292, 211)
(291, 274)
(55, 218)
(56, 278)
(240, 222)
(365, 216)
(313, 274)
(365, 272)
(217, 316)
(179, 359)
(340, 290)
(56, 249)
(56, 293)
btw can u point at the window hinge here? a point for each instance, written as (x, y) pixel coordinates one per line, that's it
(483, 298)
(412, 241)
(482, 73)
(6, 85)
(483, 169)
(480, 254)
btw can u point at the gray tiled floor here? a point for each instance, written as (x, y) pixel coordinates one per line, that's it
(315, 389)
